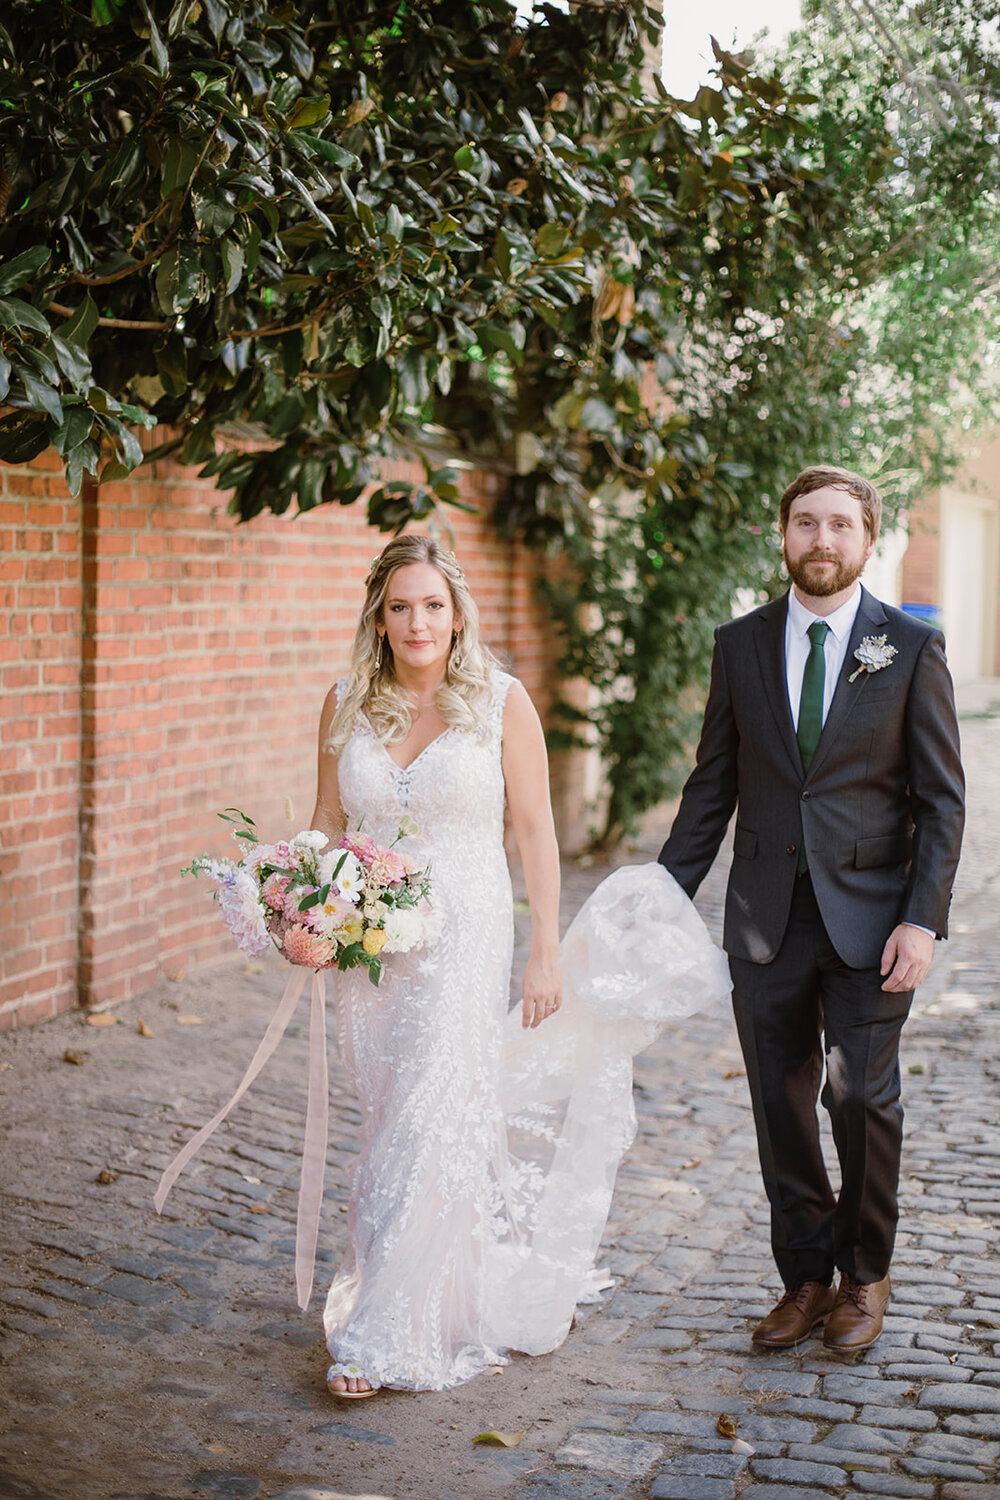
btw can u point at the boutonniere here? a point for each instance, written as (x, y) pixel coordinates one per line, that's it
(874, 653)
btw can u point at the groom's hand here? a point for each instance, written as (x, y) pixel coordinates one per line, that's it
(906, 957)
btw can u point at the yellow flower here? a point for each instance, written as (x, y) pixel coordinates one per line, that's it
(374, 941)
(351, 931)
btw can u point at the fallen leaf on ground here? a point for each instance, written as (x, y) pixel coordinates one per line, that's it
(725, 1426)
(694, 1162)
(105, 1177)
(190, 1020)
(734, 1073)
(144, 1030)
(75, 1057)
(176, 976)
(739, 1446)
(103, 1018)
(258, 1208)
(500, 1439)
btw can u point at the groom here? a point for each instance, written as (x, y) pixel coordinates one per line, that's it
(830, 728)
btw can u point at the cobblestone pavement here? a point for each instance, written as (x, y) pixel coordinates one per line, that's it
(164, 1359)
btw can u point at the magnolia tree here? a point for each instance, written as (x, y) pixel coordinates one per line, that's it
(304, 237)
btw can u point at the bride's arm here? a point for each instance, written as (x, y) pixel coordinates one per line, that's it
(328, 815)
(526, 775)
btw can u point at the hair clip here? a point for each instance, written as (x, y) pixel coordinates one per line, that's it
(374, 563)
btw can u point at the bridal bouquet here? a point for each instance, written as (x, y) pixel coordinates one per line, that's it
(323, 907)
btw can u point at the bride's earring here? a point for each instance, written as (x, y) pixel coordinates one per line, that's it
(456, 650)
(378, 655)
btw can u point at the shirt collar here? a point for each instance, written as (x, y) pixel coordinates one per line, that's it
(841, 622)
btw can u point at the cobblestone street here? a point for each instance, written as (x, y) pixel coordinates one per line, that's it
(151, 1358)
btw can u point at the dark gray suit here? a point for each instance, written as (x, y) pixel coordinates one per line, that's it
(881, 814)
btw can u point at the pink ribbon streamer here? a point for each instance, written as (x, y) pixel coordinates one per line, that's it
(317, 1118)
(313, 1146)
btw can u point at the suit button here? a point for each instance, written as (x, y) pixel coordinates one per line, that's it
(806, 796)
(790, 849)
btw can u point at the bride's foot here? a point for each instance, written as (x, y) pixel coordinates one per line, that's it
(348, 1384)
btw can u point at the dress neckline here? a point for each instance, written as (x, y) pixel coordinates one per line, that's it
(411, 763)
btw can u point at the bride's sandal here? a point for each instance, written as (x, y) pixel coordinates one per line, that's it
(346, 1373)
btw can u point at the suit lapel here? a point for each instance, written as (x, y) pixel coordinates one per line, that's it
(869, 618)
(770, 643)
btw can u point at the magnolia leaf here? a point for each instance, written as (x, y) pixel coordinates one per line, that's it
(41, 395)
(14, 273)
(79, 1058)
(725, 1426)
(78, 328)
(329, 150)
(16, 313)
(103, 1018)
(76, 427)
(72, 360)
(144, 1030)
(160, 60)
(309, 112)
(499, 1439)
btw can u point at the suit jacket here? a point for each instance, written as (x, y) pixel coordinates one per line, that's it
(881, 808)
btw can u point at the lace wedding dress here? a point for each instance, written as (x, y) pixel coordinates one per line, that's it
(488, 1153)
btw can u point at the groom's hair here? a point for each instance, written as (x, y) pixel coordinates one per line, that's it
(817, 477)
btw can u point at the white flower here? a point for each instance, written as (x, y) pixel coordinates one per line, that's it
(349, 881)
(873, 654)
(216, 869)
(244, 914)
(310, 839)
(405, 929)
(408, 927)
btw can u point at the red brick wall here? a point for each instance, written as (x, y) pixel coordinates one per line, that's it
(177, 665)
(921, 560)
(40, 616)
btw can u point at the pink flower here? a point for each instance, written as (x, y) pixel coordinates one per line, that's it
(274, 890)
(304, 947)
(360, 844)
(386, 867)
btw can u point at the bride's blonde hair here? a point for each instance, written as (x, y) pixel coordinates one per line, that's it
(372, 688)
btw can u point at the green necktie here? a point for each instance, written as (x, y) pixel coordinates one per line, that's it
(811, 706)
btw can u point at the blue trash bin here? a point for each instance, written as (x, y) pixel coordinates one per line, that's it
(929, 612)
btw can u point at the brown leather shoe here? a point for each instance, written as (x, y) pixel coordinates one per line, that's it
(856, 1320)
(799, 1310)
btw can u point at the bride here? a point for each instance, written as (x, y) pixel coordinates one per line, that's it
(489, 1141)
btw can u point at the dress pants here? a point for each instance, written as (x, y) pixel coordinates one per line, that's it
(787, 1012)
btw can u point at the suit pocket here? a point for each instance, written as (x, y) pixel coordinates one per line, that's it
(744, 843)
(891, 849)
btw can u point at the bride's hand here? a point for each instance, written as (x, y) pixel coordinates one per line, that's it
(541, 990)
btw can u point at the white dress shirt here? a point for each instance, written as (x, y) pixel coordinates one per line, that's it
(798, 646)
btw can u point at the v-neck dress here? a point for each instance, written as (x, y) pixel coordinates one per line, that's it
(488, 1153)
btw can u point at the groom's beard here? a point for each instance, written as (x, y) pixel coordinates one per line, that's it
(821, 582)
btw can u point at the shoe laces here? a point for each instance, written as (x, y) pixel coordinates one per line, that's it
(853, 1291)
(798, 1295)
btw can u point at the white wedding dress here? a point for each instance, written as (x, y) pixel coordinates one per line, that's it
(488, 1153)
